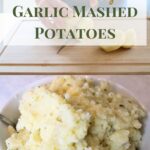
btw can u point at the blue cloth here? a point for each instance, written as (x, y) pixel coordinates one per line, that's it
(148, 7)
(77, 2)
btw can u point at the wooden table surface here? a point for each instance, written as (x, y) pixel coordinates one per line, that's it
(74, 60)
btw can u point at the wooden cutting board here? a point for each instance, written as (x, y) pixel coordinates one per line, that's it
(75, 60)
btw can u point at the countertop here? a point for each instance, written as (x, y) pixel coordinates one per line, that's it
(74, 60)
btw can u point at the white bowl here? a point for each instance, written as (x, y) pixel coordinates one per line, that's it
(11, 111)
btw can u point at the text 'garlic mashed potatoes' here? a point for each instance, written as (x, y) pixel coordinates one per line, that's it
(76, 114)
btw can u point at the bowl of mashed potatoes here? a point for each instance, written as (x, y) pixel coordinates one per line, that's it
(75, 113)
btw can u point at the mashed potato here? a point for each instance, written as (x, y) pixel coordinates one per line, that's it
(77, 114)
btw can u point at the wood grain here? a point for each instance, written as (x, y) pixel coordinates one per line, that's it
(75, 60)
(75, 69)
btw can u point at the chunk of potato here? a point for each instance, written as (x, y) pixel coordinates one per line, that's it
(130, 39)
(125, 40)
(115, 43)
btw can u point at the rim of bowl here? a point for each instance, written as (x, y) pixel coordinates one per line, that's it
(116, 87)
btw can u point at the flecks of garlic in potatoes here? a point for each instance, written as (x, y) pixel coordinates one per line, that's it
(11, 130)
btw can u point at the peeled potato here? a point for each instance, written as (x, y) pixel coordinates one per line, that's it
(116, 43)
(130, 38)
(110, 48)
